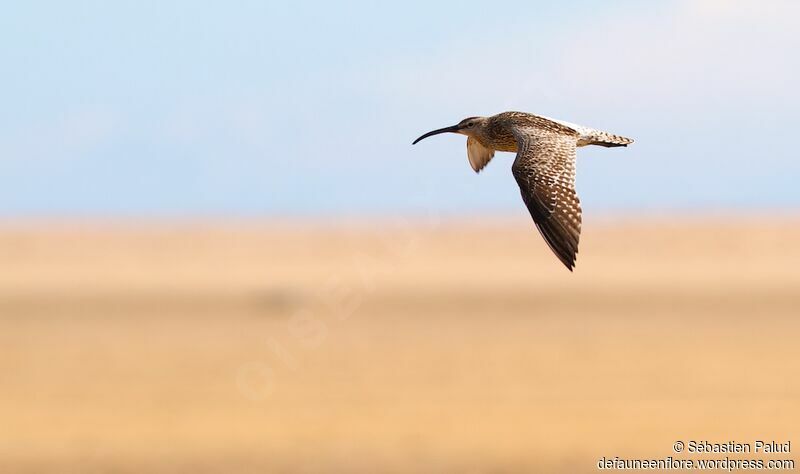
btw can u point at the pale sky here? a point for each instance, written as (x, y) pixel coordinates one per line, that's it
(199, 108)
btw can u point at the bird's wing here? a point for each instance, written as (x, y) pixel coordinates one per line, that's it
(545, 171)
(478, 154)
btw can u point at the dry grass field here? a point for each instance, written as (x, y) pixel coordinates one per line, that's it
(392, 347)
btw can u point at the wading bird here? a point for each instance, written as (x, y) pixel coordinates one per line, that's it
(544, 167)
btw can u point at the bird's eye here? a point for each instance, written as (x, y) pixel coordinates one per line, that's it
(469, 124)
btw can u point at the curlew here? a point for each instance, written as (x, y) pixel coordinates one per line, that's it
(544, 167)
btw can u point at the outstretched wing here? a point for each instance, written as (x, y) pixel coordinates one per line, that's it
(545, 171)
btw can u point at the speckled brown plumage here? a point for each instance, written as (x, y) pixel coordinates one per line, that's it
(544, 167)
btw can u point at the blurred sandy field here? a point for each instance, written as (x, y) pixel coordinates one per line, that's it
(397, 346)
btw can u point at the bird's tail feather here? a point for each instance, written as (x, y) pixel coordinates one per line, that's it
(609, 140)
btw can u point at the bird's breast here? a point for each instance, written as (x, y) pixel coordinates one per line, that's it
(510, 146)
(499, 138)
(501, 143)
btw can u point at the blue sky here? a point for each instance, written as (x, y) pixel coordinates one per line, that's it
(308, 108)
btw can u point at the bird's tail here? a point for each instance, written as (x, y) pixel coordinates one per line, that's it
(607, 139)
(590, 136)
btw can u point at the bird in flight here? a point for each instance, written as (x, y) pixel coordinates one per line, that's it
(544, 167)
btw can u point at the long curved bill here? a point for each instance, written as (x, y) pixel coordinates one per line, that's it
(452, 129)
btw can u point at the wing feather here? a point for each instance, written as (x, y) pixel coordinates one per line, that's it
(545, 171)
(478, 154)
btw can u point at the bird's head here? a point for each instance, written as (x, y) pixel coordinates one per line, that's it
(470, 126)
